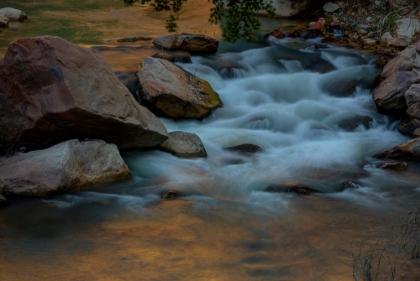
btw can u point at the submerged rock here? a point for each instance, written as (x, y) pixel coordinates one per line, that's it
(352, 123)
(389, 96)
(245, 149)
(171, 92)
(409, 151)
(398, 166)
(192, 43)
(349, 185)
(184, 145)
(65, 167)
(170, 194)
(341, 87)
(53, 90)
(291, 188)
(13, 14)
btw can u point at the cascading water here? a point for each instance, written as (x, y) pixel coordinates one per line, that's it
(308, 107)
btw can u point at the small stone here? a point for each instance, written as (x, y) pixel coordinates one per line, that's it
(385, 37)
(170, 194)
(363, 32)
(184, 145)
(369, 42)
(277, 33)
(331, 7)
(349, 185)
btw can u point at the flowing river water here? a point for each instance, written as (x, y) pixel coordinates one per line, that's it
(288, 98)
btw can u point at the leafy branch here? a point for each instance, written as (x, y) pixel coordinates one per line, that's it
(238, 18)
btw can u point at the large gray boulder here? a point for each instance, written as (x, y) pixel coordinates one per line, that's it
(184, 145)
(65, 167)
(52, 90)
(389, 96)
(192, 43)
(407, 26)
(13, 14)
(171, 92)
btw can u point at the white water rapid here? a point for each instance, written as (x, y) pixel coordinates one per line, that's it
(310, 111)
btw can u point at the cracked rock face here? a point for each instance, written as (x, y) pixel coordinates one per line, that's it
(171, 92)
(52, 91)
(389, 96)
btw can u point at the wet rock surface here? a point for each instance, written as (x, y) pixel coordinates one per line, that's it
(170, 194)
(171, 92)
(246, 149)
(409, 151)
(397, 166)
(352, 123)
(291, 188)
(184, 145)
(389, 96)
(65, 167)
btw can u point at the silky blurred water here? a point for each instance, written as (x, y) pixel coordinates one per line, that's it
(286, 96)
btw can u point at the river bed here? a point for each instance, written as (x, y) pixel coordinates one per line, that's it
(286, 97)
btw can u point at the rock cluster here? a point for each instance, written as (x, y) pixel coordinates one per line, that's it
(55, 93)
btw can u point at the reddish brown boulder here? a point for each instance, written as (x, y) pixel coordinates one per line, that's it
(192, 43)
(52, 91)
(171, 92)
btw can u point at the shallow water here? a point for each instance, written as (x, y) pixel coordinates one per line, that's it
(288, 99)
